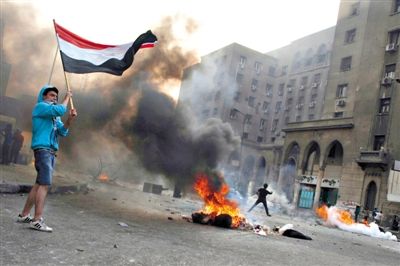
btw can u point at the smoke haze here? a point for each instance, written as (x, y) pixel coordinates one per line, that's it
(125, 121)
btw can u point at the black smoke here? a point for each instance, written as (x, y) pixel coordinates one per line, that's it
(128, 117)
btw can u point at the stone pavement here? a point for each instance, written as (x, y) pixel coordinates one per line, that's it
(16, 178)
(114, 225)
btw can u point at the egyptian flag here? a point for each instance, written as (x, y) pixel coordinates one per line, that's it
(82, 56)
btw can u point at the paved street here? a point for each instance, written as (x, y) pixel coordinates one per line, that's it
(87, 232)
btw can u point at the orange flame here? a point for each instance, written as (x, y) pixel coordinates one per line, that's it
(215, 202)
(343, 216)
(322, 212)
(103, 178)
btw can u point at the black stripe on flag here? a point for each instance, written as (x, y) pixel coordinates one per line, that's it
(112, 66)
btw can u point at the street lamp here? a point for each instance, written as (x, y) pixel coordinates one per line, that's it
(241, 145)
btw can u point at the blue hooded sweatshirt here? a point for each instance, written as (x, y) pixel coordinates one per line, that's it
(47, 124)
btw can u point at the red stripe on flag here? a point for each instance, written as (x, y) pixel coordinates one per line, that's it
(147, 45)
(70, 37)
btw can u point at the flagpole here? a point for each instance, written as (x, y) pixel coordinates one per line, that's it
(54, 62)
(62, 61)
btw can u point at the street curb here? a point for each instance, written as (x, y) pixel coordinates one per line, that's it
(8, 188)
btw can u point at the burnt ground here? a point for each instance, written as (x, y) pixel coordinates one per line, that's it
(87, 232)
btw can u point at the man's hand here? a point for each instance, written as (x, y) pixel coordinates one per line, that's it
(68, 96)
(73, 113)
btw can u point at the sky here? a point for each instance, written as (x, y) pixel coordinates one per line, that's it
(262, 25)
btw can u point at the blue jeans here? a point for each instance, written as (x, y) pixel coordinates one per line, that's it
(45, 160)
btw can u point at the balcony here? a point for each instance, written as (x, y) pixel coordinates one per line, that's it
(373, 159)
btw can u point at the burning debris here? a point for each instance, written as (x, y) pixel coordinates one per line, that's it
(217, 210)
(343, 220)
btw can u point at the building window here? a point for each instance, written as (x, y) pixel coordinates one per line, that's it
(274, 124)
(311, 116)
(298, 118)
(271, 71)
(289, 101)
(350, 36)
(254, 84)
(317, 78)
(304, 81)
(337, 114)
(268, 89)
(262, 124)
(345, 64)
(215, 111)
(322, 54)
(251, 101)
(233, 114)
(242, 62)
(259, 139)
(379, 142)
(292, 83)
(265, 106)
(258, 67)
(247, 119)
(239, 78)
(281, 89)
(394, 36)
(355, 9)
(314, 97)
(300, 100)
(390, 70)
(278, 107)
(245, 135)
(284, 70)
(287, 120)
(396, 6)
(384, 106)
(341, 91)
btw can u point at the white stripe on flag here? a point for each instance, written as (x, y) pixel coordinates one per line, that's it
(96, 57)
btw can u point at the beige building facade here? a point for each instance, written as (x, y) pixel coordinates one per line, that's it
(348, 155)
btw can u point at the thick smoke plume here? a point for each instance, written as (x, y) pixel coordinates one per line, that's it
(124, 120)
(170, 145)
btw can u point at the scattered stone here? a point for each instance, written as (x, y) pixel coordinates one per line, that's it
(114, 198)
(80, 250)
(123, 224)
(115, 246)
(170, 218)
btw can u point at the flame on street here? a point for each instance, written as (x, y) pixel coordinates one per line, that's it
(343, 220)
(215, 202)
(103, 177)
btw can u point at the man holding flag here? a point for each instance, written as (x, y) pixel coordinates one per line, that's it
(46, 127)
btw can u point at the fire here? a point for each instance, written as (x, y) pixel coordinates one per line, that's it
(322, 212)
(342, 215)
(343, 220)
(103, 177)
(215, 202)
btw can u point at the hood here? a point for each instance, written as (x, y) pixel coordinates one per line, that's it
(40, 96)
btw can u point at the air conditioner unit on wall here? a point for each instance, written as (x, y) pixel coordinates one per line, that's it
(391, 47)
(340, 102)
(314, 85)
(390, 75)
